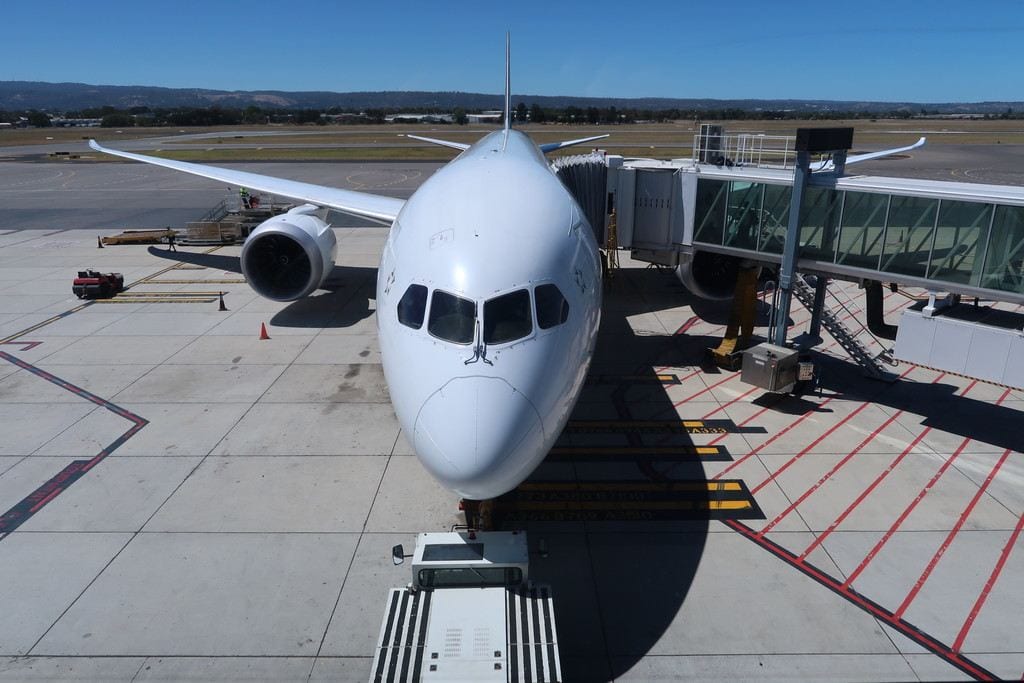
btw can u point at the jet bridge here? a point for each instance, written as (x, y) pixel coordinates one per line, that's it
(957, 239)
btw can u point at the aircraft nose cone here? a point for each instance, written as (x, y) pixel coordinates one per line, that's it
(476, 434)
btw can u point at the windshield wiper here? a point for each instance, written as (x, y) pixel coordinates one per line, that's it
(476, 346)
(479, 348)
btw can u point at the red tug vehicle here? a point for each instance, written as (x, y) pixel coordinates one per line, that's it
(92, 284)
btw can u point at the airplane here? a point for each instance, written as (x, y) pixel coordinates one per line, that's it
(488, 297)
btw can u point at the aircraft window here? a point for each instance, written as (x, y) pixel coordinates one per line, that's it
(451, 317)
(413, 306)
(507, 317)
(552, 308)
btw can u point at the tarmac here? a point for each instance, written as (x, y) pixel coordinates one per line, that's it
(182, 500)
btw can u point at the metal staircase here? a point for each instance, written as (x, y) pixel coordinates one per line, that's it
(844, 336)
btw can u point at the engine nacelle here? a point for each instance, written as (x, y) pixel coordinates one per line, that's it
(289, 256)
(709, 275)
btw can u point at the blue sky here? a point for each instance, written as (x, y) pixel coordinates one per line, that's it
(865, 50)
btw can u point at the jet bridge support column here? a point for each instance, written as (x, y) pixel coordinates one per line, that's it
(820, 286)
(791, 249)
(835, 142)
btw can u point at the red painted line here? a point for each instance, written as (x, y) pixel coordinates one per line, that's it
(949, 537)
(906, 513)
(778, 434)
(958, 643)
(874, 609)
(829, 432)
(53, 494)
(864, 494)
(868, 439)
(873, 485)
(687, 325)
(726, 405)
(27, 345)
(702, 391)
(744, 423)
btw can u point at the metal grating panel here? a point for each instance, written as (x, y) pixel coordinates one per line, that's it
(399, 654)
(532, 637)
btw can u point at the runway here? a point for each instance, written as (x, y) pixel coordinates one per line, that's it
(181, 499)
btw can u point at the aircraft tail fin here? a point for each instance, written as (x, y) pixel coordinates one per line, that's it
(508, 85)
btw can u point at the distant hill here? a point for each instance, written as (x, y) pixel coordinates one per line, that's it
(59, 97)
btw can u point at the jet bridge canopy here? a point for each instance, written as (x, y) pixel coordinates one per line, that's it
(945, 236)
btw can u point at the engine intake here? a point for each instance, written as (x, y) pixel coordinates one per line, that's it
(709, 275)
(289, 256)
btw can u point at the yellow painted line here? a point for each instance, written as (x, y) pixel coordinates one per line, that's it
(635, 423)
(196, 282)
(177, 266)
(653, 487)
(43, 323)
(638, 450)
(638, 505)
(177, 300)
(136, 293)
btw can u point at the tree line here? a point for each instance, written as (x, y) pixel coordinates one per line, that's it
(112, 117)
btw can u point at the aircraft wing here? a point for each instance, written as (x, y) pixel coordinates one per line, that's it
(374, 207)
(828, 165)
(552, 146)
(443, 143)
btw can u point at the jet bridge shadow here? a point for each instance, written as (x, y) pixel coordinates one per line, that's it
(938, 406)
(343, 301)
(623, 504)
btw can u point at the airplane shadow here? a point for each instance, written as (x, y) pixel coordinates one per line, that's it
(621, 575)
(619, 571)
(924, 404)
(343, 301)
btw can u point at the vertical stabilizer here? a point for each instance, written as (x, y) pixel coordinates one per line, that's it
(508, 86)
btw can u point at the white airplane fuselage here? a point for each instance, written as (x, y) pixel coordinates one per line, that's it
(496, 221)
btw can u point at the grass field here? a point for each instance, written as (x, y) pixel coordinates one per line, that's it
(660, 140)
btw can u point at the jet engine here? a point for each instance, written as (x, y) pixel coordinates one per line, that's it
(289, 256)
(709, 275)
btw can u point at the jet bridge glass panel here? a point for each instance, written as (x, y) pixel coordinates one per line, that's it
(960, 235)
(508, 317)
(908, 235)
(710, 210)
(819, 216)
(862, 229)
(950, 241)
(775, 217)
(1004, 260)
(452, 318)
(743, 213)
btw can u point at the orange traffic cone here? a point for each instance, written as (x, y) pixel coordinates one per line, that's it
(263, 331)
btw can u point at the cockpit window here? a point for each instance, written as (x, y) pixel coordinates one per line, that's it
(413, 306)
(507, 317)
(451, 317)
(552, 308)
